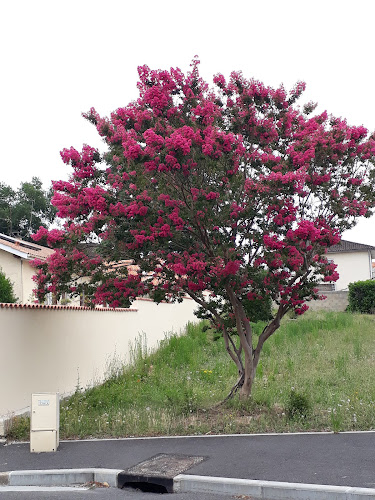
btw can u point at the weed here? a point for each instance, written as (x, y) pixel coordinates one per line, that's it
(357, 348)
(336, 420)
(298, 405)
(18, 428)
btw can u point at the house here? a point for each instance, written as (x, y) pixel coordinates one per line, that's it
(354, 263)
(15, 258)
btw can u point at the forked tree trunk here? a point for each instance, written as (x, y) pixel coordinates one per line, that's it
(246, 357)
(248, 365)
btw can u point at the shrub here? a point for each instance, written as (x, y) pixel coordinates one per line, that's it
(362, 297)
(18, 428)
(6, 289)
(298, 405)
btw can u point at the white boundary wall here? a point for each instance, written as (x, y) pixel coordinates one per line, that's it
(51, 349)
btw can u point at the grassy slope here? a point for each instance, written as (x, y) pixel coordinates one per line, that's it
(325, 361)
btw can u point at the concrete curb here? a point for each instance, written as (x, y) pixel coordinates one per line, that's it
(198, 436)
(43, 489)
(59, 477)
(271, 490)
(184, 483)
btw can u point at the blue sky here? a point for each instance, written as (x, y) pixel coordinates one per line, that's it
(59, 58)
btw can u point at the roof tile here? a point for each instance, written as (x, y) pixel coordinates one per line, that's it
(349, 246)
(33, 250)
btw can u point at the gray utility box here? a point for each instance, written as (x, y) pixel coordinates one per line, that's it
(44, 422)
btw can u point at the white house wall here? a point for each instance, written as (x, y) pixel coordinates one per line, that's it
(28, 284)
(352, 266)
(20, 274)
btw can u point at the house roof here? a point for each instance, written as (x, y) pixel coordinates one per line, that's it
(129, 264)
(351, 246)
(24, 249)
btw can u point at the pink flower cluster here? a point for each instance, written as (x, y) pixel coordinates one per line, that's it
(82, 163)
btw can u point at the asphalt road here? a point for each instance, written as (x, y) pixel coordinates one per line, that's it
(346, 459)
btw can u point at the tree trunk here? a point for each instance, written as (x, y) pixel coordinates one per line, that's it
(247, 373)
(245, 391)
(247, 366)
(245, 357)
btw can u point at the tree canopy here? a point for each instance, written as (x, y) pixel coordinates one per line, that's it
(227, 194)
(24, 210)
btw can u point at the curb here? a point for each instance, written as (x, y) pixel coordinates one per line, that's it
(184, 483)
(270, 490)
(59, 477)
(197, 436)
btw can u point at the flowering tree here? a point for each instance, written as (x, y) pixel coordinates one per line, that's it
(228, 195)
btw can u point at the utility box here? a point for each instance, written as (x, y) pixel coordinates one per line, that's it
(44, 422)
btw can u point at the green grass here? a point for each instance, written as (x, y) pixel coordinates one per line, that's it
(315, 373)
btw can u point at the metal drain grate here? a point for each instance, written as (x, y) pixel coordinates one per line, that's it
(158, 471)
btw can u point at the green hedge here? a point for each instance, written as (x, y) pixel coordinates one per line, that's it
(362, 297)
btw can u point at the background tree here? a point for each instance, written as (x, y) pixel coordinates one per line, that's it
(7, 197)
(228, 195)
(24, 210)
(6, 289)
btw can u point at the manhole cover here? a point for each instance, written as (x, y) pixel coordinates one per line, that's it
(164, 465)
(158, 470)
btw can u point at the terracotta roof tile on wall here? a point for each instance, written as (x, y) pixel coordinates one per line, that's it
(76, 308)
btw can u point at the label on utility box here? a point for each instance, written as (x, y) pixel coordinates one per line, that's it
(43, 402)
